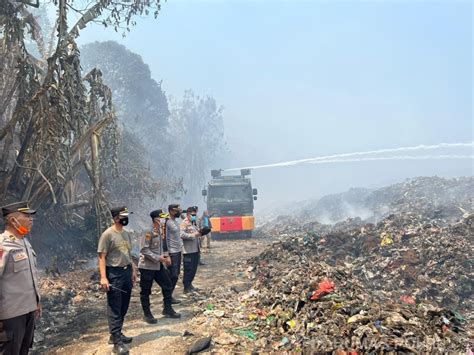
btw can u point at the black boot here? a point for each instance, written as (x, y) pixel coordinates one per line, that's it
(169, 312)
(188, 290)
(175, 301)
(119, 346)
(194, 289)
(147, 315)
(126, 340)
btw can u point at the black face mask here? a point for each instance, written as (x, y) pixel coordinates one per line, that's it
(123, 221)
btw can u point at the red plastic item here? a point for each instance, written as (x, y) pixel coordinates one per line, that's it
(326, 286)
(407, 299)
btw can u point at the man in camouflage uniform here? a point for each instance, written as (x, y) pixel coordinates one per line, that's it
(154, 259)
(19, 293)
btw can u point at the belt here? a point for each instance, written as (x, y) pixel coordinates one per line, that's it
(120, 267)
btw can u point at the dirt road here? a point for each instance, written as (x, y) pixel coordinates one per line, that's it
(88, 334)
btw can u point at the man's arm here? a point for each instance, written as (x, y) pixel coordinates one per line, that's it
(3, 258)
(146, 251)
(104, 282)
(184, 233)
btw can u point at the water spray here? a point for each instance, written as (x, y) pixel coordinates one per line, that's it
(339, 158)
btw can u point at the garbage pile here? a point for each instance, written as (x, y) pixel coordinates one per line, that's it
(432, 197)
(403, 284)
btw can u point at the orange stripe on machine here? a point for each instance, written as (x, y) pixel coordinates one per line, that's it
(232, 224)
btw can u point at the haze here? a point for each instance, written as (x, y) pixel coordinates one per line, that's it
(304, 79)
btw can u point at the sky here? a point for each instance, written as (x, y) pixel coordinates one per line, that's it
(300, 79)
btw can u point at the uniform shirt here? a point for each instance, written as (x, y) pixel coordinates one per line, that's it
(19, 293)
(151, 248)
(191, 244)
(173, 238)
(117, 246)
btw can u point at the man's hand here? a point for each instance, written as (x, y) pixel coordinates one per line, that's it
(134, 276)
(104, 284)
(197, 234)
(166, 260)
(39, 311)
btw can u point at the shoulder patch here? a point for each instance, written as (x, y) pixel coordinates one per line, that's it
(148, 236)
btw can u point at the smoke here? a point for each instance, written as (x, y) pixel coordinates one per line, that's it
(339, 158)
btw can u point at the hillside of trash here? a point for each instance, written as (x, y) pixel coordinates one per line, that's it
(399, 282)
(403, 283)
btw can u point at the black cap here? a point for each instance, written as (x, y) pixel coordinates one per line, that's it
(174, 206)
(191, 209)
(17, 207)
(156, 213)
(120, 211)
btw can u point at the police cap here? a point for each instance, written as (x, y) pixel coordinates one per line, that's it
(156, 213)
(120, 211)
(17, 207)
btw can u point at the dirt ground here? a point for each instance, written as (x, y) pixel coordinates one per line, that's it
(88, 332)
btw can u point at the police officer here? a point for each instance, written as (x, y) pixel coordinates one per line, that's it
(191, 246)
(154, 259)
(174, 243)
(20, 298)
(117, 275)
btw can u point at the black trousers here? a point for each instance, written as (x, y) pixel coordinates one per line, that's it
(174, 269)
(190, 265)
(118, 297)
(162, 278)
(16, 334)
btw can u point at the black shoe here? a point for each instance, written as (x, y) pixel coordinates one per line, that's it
(150, 319)
(175, 301)
(126, 340)
(194, 289)
(120, 348)
(201, 263)
(169, 312)
(188, 290)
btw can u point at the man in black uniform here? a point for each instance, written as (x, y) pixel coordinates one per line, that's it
(117, 275)
(154, 259)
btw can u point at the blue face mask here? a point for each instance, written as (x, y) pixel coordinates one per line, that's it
(193, 218)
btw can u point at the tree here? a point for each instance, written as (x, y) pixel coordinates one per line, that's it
(140, 102)
(57, 125)
(198, 131)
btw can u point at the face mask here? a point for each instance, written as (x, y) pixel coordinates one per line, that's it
(123, 221)
(177, 214)
(22, 230)
(193, 218)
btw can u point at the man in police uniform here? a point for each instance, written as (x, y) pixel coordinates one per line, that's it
(19, 294)
(154, 259)
(174, 243)
(117, 275)
(191, 246)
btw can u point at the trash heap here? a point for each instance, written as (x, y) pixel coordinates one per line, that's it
(433, 197)
(404, 284)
